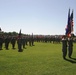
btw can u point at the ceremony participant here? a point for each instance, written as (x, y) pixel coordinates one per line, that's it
(23, 41)
(70, 46)
(1, 42)
(64, 46)
(13, 42)
(69, 33)
(1, 39)
(7, 41)
(19, 42)
(26, 40)
(32, 39)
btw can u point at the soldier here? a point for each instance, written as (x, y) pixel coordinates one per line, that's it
(70, 46)
(23, 41)
(1, 42)
(29, 40)
(13, 41)
(26, 40)
(7, 41)
(32, 39)
(64, 46)
(19, 42)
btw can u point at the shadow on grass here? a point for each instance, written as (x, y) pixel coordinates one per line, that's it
(72, 60)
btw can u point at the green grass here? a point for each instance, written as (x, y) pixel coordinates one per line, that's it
(41, 59)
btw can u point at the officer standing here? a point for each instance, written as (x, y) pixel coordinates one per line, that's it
(70, 46)
(13, 42)
(1, 42)
(7, 41)
(23, 41)
(19, 42)
(1, 39)
(64, 46)
(32, 39)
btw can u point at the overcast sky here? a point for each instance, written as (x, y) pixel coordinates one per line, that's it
(47, 17)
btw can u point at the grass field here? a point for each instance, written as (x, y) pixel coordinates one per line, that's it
(41, 59)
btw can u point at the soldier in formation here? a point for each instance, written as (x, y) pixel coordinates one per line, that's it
(19, 42)
(23, 42)
(7, 41)
(13, 42)
(1, 42)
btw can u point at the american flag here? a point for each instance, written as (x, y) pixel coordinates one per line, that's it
(68, 28)
(72, 23)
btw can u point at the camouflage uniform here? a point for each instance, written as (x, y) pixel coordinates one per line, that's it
(13, 41)
(1, 42)
(64, 47)
(19, 42)
(70, 47)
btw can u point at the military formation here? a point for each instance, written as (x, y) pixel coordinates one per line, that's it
(21, 41)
